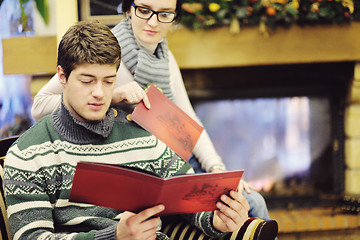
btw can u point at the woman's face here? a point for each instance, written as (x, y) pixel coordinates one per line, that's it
(151, 31)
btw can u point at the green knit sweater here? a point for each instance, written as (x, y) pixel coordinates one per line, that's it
(39, 169)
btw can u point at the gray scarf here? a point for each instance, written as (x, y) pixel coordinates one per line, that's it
(145, 67)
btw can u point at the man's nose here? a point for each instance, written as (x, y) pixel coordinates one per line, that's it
(98, 90)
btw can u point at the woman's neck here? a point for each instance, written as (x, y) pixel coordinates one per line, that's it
(150, 47)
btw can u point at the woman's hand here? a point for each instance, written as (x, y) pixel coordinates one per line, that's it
(243, 185)
(232, 213)
(131, 93)
(139, 226)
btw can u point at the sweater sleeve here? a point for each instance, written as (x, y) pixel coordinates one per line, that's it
(30, 207)
(203, 221)
(204, 150)
(48, 99)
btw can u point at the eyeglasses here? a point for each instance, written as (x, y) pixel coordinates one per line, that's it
(147, 13)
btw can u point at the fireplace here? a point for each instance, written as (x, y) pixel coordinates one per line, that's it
(317, 89)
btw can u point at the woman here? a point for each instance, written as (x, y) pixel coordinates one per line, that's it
(147, 59)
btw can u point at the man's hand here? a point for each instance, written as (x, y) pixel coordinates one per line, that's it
(232, 213)
(130, 93)
(139, 226)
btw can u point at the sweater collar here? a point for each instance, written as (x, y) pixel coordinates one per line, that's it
(72, 130)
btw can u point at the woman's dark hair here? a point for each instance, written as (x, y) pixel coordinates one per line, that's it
(126, 5)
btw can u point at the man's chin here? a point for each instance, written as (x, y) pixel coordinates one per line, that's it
(94, 117)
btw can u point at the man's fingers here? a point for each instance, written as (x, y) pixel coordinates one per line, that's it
(126, 215)
(149, 233)
(229, 207)
(241, 200)
(149, 212)
(234, 206)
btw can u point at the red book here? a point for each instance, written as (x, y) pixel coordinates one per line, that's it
(133, 190)
(168, 122)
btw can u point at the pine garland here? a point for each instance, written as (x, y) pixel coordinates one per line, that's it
(267, 14)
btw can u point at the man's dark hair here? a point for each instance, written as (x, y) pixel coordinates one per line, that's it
(88, 42)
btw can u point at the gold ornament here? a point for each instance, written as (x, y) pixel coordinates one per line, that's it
(234, 26)
(214, 7)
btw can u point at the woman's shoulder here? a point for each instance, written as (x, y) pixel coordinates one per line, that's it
(116, 28)
(173, 65)
(171, 56)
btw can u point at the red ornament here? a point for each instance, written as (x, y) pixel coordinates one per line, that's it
(270, 11)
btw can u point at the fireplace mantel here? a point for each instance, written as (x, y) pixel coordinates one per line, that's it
(294, 45)
(214, 48)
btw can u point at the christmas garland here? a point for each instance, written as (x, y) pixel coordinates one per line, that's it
(267, 14)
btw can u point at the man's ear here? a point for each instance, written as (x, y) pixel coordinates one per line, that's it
(61, 75)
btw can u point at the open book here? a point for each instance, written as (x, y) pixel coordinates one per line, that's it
(134, 190)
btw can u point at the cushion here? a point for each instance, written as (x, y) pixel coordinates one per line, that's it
(253, 228)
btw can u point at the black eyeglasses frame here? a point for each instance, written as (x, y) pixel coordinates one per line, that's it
(153, 12)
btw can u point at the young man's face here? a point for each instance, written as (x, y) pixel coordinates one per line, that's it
(151, 31)
(87, 93)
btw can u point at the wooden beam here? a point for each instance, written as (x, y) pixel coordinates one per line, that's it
(30, 55)
(213, 48)
(310, 44)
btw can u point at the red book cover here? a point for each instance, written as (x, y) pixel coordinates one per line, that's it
(133, 190)
(168, 122)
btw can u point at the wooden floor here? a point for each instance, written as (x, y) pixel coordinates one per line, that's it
(348, 234)
(317, 223)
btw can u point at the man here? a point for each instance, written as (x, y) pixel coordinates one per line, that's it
(39, 167)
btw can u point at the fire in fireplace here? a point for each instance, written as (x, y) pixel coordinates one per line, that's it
(283, 124)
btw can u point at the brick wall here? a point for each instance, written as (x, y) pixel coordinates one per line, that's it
(352, 132)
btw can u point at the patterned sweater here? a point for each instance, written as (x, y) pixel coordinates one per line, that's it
(39, 169)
